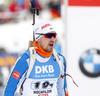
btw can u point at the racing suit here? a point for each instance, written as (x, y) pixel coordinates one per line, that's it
(43, 80)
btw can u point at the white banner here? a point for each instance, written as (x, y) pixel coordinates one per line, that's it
(82, 46)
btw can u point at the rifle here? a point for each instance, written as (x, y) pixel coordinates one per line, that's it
(34, 11)
(31, 43)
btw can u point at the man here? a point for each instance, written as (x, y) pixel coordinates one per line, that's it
(44, 74)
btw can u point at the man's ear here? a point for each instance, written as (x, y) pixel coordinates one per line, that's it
(38, 40)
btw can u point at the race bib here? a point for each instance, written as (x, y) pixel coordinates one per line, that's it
(40, 87)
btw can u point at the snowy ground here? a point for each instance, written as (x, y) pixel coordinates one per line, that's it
(14, 37)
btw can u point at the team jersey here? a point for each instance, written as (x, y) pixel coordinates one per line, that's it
(43, 80)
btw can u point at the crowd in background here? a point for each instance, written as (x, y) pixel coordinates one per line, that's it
(13, 10)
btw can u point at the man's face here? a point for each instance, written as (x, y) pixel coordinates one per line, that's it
(46, 43)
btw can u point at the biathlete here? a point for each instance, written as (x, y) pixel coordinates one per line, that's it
(42, 67)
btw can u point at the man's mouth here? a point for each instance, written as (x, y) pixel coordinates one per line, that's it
(51, 45)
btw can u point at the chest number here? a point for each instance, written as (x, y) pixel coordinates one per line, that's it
(45, 84)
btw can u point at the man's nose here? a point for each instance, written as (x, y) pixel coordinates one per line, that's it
(52, 38)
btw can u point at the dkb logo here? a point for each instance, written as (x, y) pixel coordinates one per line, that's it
(44, 69)
(89, 63)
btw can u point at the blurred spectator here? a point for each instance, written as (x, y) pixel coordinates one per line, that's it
(13, 7)
(2, 3)
(54, 6)
(36, 4)
(9, 13)
(24, 9)
(2, 7)
(20, 2)
(25, 4)
(17, 9)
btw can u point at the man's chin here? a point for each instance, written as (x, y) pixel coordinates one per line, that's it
(51, 49)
